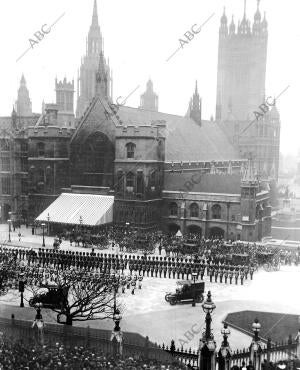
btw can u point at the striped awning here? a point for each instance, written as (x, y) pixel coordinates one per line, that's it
(79, 209)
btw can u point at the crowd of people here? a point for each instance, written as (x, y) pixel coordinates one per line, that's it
(23, 355)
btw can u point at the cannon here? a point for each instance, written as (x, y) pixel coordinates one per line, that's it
(186, 292)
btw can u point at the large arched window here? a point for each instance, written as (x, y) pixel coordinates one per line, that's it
(41, 149)
(173, 209)
(130, 181)
(216, 211)
(194, 210)
(130, 147)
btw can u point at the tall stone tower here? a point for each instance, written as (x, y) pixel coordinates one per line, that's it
(23, 103)
(86, 83)
(242, 62)
(65, 102)
(149, 100)
(241, 79)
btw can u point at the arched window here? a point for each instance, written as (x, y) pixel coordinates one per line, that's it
(173, 209)
(216, 211)
(41, 176)
(130, 150)
(41, 149)
(152, 178)
(130, 180)
(194, 210)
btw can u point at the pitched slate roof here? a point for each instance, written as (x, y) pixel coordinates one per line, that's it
(185, 139)
(203, 183)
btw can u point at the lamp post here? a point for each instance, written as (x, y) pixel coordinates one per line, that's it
(194, 277)
(48, 219)
(21, 288)
(225, 350)
(9, 230)
(207, 345)
(39, 323)
(117, 335)
(43, 227)
(256, 346)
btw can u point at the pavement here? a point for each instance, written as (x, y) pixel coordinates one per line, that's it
(148, 313)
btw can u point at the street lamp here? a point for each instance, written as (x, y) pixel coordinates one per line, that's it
(43, 227)
(207, 345)
(208, 306)
(9, 230)
(48, 219)
(225, 350)
(194, 277)
(21, 288)
(39, 323)
(117, 335)
(256, 346)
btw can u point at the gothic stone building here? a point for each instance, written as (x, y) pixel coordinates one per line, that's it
(163, 170)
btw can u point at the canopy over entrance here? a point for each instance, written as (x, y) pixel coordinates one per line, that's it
(79, 209)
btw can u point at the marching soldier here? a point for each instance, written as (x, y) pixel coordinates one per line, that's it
(230, 277)
(251, 272)
(221, 275)
(211, 274)
(226, 276)
(236, 276)
(242, 277)
(216, 274)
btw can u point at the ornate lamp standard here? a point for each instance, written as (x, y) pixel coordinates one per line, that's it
(256, 346)
(43, 227)
(21, 288)
(194, 277)
(39, 323)
(207, 345)
(225, 350)
(9, 230)
(117, 335)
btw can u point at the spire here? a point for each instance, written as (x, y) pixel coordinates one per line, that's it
(223, 27)
(23, 103)
(149, 99)
(232, 27)
(249, 175)
(196, 106)
(244, 26)
(95, 15)
(101, 77)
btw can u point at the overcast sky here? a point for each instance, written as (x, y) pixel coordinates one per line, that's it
(139, 36)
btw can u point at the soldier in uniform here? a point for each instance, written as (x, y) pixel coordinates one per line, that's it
(225, 276)
(140, 279)
(211, 273)
(251, 272)
(221, 275)
(242, 277)
(236, 276)
(216, 274)
(133, 284)
(230, 277)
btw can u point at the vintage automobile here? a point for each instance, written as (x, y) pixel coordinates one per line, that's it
(51, 299)
(186, 292)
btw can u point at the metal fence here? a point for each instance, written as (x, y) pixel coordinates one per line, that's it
(272, 352)
(134, 345)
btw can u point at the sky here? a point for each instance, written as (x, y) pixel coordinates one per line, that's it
(139, 37)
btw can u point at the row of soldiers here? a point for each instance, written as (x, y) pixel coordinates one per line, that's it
(175, 268)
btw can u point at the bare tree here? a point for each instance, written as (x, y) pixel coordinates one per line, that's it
(77, 296)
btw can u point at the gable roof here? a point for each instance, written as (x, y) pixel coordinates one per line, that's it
(185, 139)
